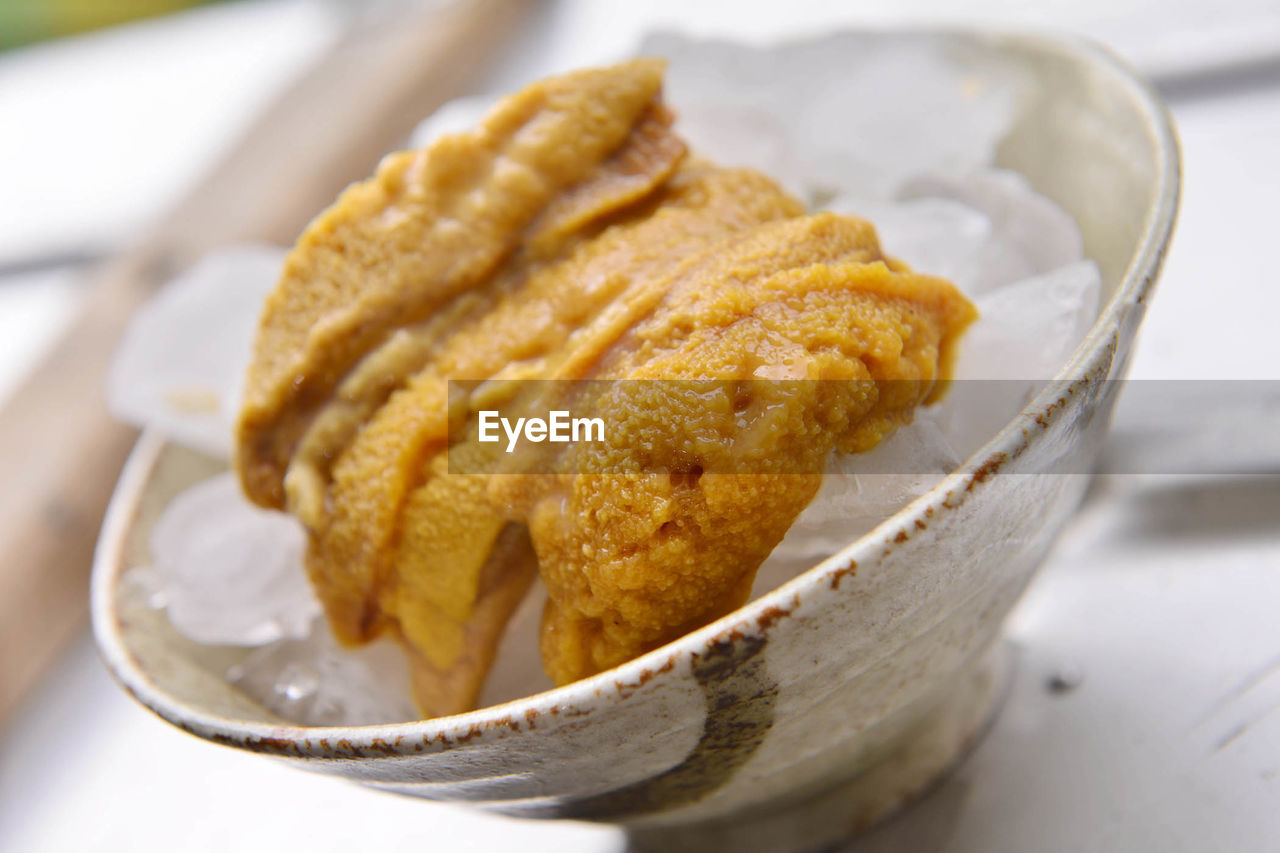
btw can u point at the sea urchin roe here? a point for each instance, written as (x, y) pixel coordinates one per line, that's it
(427, 227)
(663, 525)
(569, 238)
(394, 477)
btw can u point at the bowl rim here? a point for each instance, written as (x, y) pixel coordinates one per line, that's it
(1091, 358)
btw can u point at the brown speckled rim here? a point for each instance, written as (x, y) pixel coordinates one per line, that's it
(1091, 361)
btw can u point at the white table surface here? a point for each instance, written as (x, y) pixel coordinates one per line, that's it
(1163, 596)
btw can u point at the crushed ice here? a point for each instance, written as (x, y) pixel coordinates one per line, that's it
(179, 367)
(231, 572)
(897, 136)
(313, 680)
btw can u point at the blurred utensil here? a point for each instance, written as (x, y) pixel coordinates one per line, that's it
(59, 449)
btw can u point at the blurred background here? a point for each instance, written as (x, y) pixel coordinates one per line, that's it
(27, 22)
(113, 114)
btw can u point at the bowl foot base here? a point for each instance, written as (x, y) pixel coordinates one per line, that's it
(935, 747)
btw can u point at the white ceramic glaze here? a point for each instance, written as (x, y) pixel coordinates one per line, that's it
(829, 701)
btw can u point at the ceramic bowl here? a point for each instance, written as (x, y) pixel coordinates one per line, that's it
(829, 701)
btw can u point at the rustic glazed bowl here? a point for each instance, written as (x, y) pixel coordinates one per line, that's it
(833, 699)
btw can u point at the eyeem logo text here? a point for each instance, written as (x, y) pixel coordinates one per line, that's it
(559, 426)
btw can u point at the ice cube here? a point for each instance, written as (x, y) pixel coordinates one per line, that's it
(862, 112)
(456, 116)
(1026, 330)
(314, 681)
(229, 572)
(743, 135)
(182, 360)
(937, 236)
(860, 491)
(142, 586)
(1023, 337)
(1030, 234)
